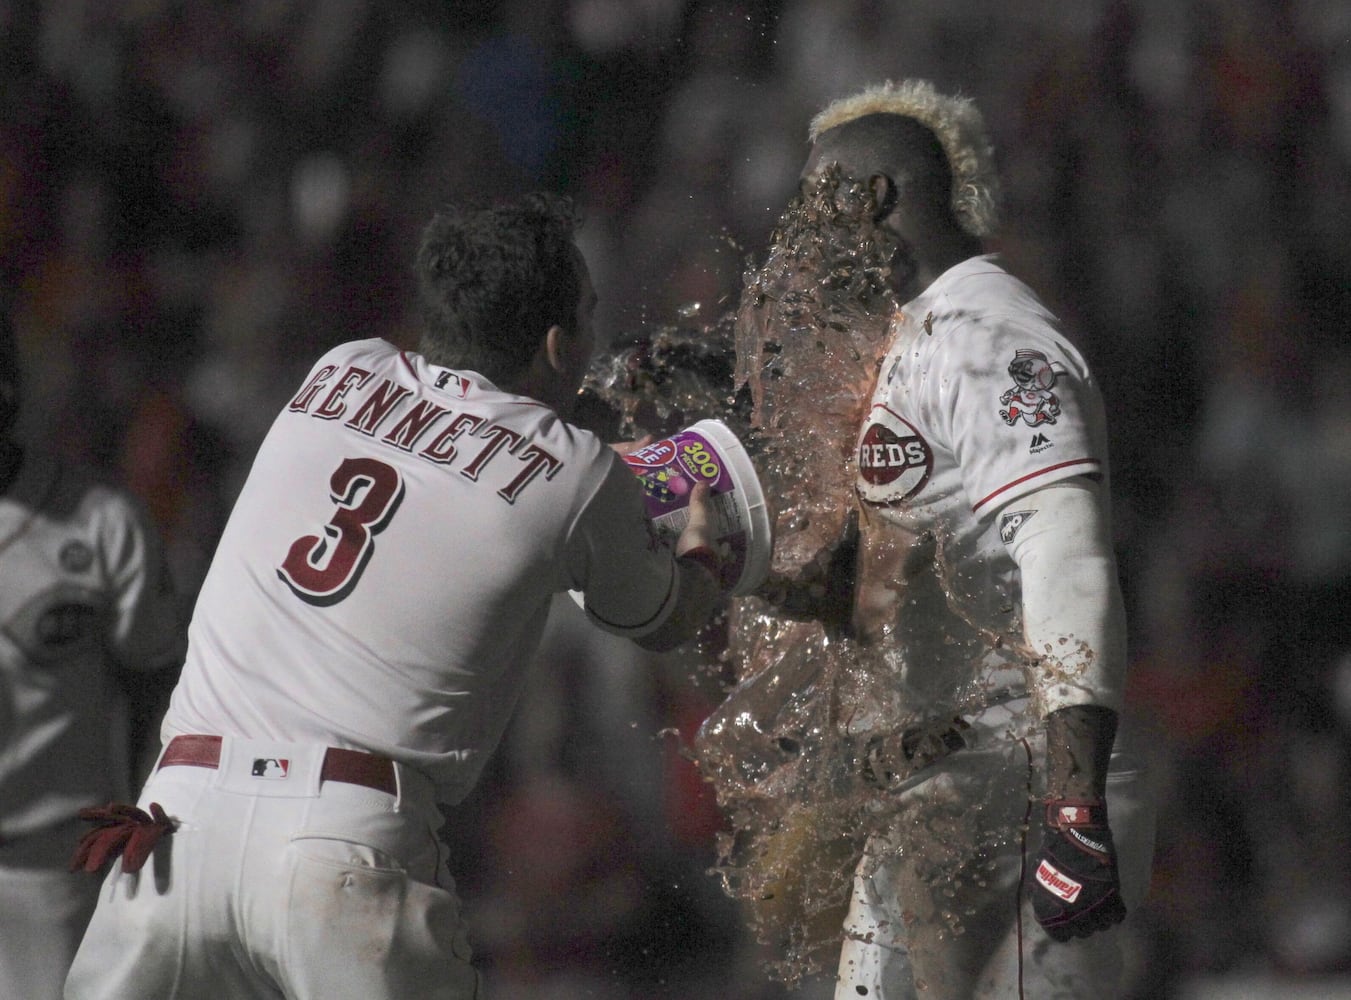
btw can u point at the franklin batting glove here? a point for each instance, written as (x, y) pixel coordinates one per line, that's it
(120, 830)
(1076, 890)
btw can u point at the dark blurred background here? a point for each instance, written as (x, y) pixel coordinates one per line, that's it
(196, 198)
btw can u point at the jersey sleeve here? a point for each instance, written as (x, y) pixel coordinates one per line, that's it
(615, 558)
(146, 630)
(1019, 410)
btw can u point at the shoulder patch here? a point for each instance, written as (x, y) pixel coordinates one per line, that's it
(1031, 399)
(1010, 523)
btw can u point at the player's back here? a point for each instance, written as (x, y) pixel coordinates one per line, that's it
(389, 565)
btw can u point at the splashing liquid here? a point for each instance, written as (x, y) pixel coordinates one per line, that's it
(792, 372)
(810, 334)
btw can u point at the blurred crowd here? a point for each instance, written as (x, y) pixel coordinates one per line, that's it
(197, 198)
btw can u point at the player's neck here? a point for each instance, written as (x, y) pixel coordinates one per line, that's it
(943, 254)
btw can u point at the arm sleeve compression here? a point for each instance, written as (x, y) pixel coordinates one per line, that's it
(1073, 615)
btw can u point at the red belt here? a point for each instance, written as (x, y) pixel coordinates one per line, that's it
(350, 766)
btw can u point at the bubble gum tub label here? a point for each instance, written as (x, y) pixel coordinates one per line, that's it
(668, 471)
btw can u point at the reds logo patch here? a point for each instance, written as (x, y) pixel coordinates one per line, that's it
(894, 460)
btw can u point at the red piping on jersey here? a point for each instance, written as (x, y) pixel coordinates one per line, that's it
(1033, 475)
(412, 371)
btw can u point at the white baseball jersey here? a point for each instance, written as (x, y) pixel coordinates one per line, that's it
(82, 589)
(980, 399)
(385, 576)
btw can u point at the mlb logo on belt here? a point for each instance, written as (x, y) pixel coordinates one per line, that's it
(271, 767)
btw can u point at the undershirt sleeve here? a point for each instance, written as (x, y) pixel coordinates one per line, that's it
(628, 575)
(1073, 614)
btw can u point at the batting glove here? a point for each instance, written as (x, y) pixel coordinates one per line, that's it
(120, 830)
(1076, 890)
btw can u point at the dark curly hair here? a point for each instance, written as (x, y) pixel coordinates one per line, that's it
(493, 280)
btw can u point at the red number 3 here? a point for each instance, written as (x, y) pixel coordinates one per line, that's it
(323, 569)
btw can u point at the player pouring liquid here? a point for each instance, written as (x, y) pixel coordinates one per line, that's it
(362, 636)
(955, 666)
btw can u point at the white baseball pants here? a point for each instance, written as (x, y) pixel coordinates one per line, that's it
(280, 887)
(936, 911)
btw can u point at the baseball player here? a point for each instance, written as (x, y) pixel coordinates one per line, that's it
(361, 637)
(83, 598)
(1019, 834)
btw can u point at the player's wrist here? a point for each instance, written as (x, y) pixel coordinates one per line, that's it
(1079, 741)
(705, 556)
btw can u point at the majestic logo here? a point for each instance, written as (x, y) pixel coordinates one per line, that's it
(894, 460)
(1057, 882)
(1031, 399)
(1011, 522)
(271, 767)
(1040, 442)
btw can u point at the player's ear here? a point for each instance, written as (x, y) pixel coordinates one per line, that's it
(556, 348)
(884, 195)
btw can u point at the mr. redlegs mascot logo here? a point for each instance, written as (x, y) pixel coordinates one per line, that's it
(1031, 398)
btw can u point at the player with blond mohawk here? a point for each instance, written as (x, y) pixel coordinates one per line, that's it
(958, 126)
(986, 579)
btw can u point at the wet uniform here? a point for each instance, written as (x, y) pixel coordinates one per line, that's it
(980, 402)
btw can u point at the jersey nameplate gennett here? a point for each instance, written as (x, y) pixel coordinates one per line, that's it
(894, 460)
(390, 414)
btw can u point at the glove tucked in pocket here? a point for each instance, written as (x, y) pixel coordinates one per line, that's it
(120, 829)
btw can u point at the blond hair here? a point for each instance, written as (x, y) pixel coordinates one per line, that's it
(959, 127)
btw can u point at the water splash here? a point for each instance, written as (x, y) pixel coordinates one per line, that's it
(791, 372)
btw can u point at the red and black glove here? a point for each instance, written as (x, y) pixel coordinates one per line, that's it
(120, 829)
(1076, 890)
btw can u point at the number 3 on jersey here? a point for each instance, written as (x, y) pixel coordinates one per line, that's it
(323, 569)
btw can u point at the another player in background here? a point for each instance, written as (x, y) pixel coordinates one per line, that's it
(1021, 833)
(84, 603)
(361, 637)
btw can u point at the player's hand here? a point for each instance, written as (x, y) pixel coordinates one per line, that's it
(824, 590)
(1076, 890)
(699, 541)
